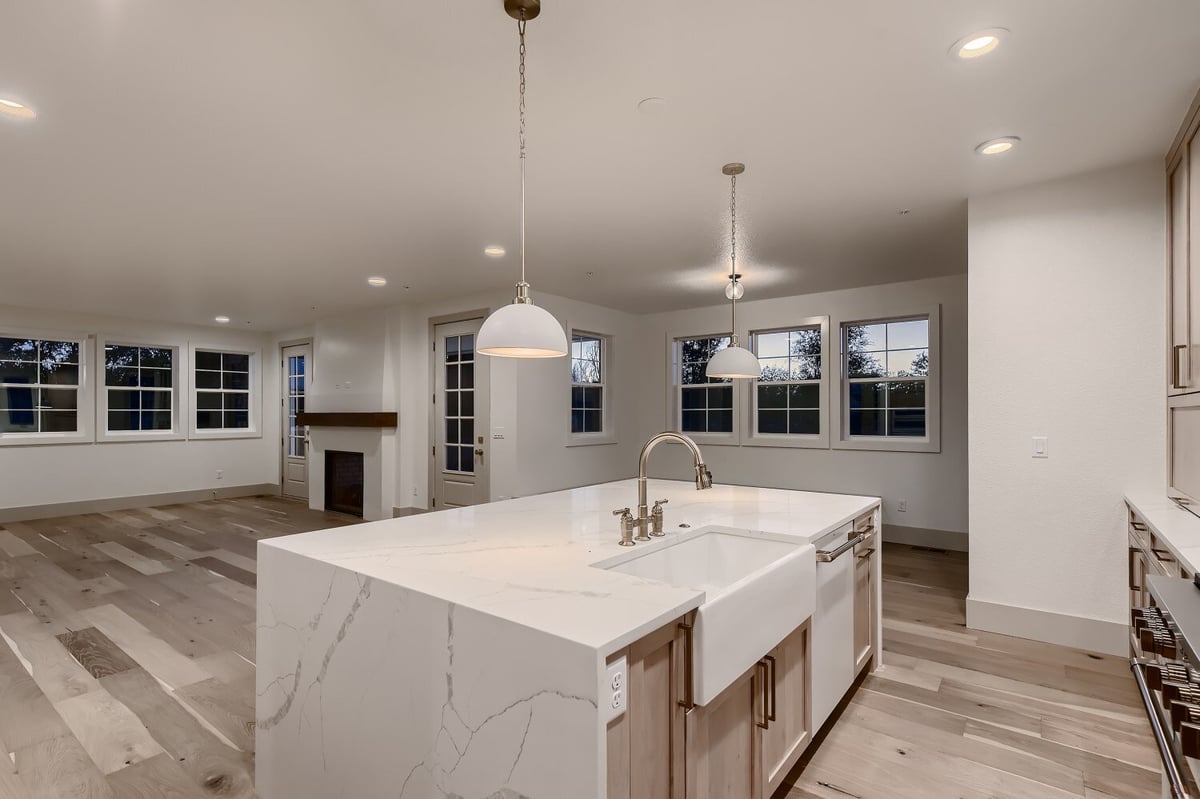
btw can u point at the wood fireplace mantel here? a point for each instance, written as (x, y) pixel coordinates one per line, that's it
(348, 419)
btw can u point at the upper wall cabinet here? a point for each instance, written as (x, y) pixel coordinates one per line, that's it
(1183, 277)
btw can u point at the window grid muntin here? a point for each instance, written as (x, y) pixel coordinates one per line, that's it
(295, 399)
(233, 404)
(42, 389)
(809, 362)
(887, 412)
(710, 399)
(587, 383)
(125, 395)
(458, 410)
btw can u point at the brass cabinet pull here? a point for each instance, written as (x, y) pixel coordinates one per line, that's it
(770, 659)
(1176, 369)
(760, 669)
(1163, 554)
(689, 670)
(1139, 526)
(866, 553)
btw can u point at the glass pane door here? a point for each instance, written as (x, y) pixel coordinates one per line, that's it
(458, 410)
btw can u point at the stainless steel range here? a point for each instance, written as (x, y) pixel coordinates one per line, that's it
(1165, 640)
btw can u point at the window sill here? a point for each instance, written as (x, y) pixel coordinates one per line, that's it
(141, 437)
(787, 440)
(712, 439)
(885, 444)
(42, 439)
(590, 439)
(207, 435)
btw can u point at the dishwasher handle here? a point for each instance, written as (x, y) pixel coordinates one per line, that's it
(830, 555)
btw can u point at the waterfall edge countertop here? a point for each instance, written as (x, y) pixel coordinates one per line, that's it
(528, 560)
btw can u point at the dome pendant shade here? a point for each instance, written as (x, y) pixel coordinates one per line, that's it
(522, 330)
(733, 361)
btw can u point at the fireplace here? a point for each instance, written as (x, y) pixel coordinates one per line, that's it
(344, 482)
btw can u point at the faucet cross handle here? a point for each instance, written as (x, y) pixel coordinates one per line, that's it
(627, 522)
(656, 518)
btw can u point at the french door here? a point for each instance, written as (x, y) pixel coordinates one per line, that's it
(459, 417)
(297, 373)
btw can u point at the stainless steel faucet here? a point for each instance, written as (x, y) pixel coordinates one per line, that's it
(654, 519)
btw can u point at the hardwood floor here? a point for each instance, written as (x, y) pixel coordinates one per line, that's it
(961, 713)
(127, 649)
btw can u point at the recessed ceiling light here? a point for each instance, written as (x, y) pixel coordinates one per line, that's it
(652, 105)
(978, 44)
(494, 251)
(222, 320)
(377, 281)
(997, 146)
(12, 108)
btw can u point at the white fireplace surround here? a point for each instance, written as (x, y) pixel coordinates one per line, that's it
(378, 446)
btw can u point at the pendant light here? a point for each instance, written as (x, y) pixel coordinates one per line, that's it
(733, 361)
(522, 330)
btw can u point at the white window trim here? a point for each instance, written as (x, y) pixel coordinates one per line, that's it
(752, 438)
(932, 442)
(674, 413)
(609, 434)
(180, 383)
(255, 400)
(85, 407)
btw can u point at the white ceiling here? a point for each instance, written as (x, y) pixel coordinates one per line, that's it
(262, 157)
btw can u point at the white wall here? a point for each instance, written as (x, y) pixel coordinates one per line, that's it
(530, 400)
(933, 483)
(1066, 300)
(63, 473)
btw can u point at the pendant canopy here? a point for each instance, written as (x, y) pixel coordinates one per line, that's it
(522, 330)
(734, 361)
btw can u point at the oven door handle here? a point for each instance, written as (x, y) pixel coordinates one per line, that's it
(1179, 790)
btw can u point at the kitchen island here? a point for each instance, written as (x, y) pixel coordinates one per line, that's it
(514, 649)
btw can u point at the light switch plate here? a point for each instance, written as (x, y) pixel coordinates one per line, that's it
(615, 691)
(1041, 447)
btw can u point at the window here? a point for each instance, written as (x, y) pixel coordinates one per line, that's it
(222, 390)
(705, 404)
(39, 386)
(587, 383)
(139, 388)
(887, 371)
(787, 398)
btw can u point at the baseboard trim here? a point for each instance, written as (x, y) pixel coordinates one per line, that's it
(1080, 632)
(923, 537)
(399, 513)
(28, 512)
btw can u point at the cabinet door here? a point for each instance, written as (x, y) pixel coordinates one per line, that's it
(1192, 363)
(723, 744)
(1179, 353)
(864, 603)
(789, 733)
(646, 744)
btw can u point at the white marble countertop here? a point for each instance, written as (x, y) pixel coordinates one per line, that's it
(528, 560)
(1177, 528)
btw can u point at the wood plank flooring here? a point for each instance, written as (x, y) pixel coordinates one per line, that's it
(127, 649)
(964, 714)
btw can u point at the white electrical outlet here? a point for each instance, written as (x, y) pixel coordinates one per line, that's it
(220, 474)
(1041, 447)
(615, 688)
(902, 506)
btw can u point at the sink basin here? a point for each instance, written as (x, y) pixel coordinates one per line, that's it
(758, 589)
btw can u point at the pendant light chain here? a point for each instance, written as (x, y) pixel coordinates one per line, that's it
(733, 255)
(521, 32)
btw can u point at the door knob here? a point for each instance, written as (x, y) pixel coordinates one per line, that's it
(479, 453)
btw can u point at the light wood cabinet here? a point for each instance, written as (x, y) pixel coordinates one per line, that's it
(646, 743)
(789, 701)
(723, 741)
